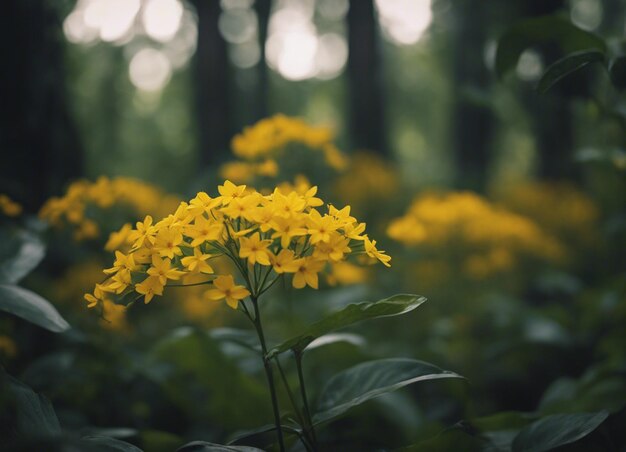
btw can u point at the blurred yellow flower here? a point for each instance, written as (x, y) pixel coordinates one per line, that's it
(9, 207)
(7, 347)
(487, 238)
(85, 204)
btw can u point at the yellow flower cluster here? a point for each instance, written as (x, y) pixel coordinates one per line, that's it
(259, 145)
(264, 236)
(84, 198)
(486, 238)
(559, 208)
(9, 207)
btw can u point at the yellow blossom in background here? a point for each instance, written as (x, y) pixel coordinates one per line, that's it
(239, 172)
(346, 273)
(261, 148)
(265, 237)
(560, 208)
(7, 347)
(482, 237)
(85, 206)
(9, 207)
(271, 134)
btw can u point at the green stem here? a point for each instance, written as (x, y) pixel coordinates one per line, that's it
(268, 372)
(305, 401)
(292, 399)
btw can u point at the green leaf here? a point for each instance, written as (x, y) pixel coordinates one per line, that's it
(253, 435)
(202, 446)
(617, 71)
(31, 307)
(20, 252)
(333, 338)
(105, 444)
(244, 338)
(367, 380)
(557, 430)
(541, 30)
(353, 313)
(566, 66)
(505, 420)
(33, 415)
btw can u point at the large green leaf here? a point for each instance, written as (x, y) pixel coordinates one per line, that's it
(106, 444)
(20, 252)
(30, 306)
(32, 414)
(568, 65)
(201, 446)
(353, 313)
(557, 430)
(370, 379)
(542, 30)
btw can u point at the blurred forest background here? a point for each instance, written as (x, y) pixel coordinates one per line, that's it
(484, 143)
(157, 89)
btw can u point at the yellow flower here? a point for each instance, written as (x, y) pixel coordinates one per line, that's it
(197, 262)
(202, 203)
(243, 207)
(268, 168)
(320, 227)
(150, 287)
(286, 229)
(307, 271)
(370, 249)
(230, 191)
(96, 298)
(239, 172)
(255, 249)
(9, 207)
(144, 232)
(117, 239)
(287, 206)
(285, 262)
(278, 230)
(122, 261)
(334, 157)
(119, 282)
(84, 200)
(346, 273)
(167, 242)
(162, 269)
(225, 288)
(203, 230)
(333, 250)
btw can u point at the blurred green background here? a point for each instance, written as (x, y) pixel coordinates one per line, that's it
(487, 152)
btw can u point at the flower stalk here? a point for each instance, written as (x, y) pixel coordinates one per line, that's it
(268, 372)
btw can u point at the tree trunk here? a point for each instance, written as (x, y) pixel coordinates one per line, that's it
(38, 138)
(263, 10)
(550, 112)
(473, 120)
(211, 69)
(367, 125)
